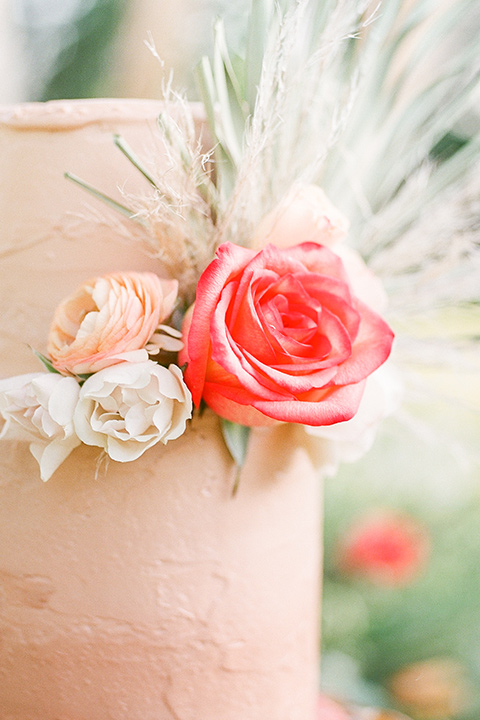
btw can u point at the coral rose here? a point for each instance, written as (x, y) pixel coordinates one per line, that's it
(279, 336)
(108, 320)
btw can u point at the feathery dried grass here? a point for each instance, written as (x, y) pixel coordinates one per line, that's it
(301, 106)
(177, 214)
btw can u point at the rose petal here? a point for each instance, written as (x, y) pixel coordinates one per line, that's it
(371, 348)
(51, 456)
(228, 262)
(335, 405)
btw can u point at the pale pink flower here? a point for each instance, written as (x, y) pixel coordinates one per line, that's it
(329, 709)
(348, 441)
(108, 320)
(304, 215)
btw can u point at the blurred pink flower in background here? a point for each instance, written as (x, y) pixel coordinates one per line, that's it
(387, 548)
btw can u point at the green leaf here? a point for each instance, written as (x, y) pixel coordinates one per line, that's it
(105, 198)
(206, 86)
(230, 87)
(45, 362)
(260, 22)
(81, 377)
(221, 86)
(447, 146)
(221, 79)
(134, 159)
(223, 157)
(236, 439)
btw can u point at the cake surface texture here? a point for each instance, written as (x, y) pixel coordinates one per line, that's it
(143, 590)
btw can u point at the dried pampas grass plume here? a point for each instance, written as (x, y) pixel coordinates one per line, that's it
(177, 214)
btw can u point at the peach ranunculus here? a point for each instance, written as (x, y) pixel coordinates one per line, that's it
(278, 335)
(304, 215)
(109, 319)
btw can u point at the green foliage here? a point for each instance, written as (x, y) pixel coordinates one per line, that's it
(447, 146)
(236, 439)
(370, 631)
(104, 198)
(81, 69)
(45, 362)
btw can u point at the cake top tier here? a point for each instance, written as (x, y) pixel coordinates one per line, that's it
(65, 114)
(54, 235)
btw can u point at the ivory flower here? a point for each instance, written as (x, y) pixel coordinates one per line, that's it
(127, 408)
(166, 338)
(348, 441)
(108, 320)
(304, 215)
(39, 407)
(364, 283)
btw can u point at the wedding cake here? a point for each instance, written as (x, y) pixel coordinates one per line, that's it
(145, 590)
(192, 337)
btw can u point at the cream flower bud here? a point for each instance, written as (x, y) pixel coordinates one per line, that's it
(127, 408)
(305, 214)
(39, 407)
(348, 441)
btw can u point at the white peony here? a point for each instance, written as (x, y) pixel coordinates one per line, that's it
(39, 407)
(348, 441)
(129, 407)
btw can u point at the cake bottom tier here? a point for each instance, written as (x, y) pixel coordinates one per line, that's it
(147, 591)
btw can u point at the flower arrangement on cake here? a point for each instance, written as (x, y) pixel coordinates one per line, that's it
(286, 321)
(275, 335)
(283, 327)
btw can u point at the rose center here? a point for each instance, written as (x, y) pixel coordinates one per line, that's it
(292, 320)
